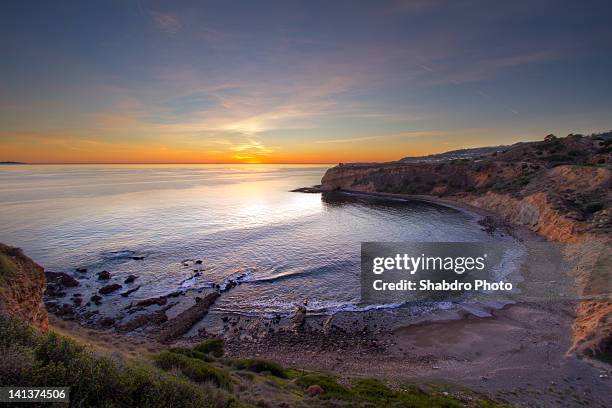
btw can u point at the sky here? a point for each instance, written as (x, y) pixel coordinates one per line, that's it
(140, 81)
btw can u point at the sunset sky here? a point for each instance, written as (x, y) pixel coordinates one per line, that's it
(296, 82)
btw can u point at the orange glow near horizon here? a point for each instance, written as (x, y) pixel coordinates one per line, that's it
(73, 150)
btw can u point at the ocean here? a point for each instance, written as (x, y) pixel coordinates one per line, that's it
(238, 220)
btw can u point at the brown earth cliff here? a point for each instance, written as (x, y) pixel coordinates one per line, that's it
(559, 188)
(22, 283)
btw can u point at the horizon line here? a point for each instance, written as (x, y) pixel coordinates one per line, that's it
(8, 162)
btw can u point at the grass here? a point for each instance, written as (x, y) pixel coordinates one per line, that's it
(260, 366)
(211, 346)
(193, 368)
(7, 267)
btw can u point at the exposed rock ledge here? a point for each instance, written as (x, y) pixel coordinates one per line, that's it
(22, 283)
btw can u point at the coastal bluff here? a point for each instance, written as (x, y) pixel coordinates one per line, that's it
(22, 284)
(559, 188)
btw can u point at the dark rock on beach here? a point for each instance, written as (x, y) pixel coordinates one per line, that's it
(105, 290)
(181, 324)
(61, 278)
(313, 189)
(155, 318)
(130, 279)
(106, 322)
(138, 258)
(161, 300)
(81, 270)
(299, 317)
(129, 292)
(63, 310)
(104, 275)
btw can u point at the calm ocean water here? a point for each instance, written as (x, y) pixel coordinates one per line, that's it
(237, 219)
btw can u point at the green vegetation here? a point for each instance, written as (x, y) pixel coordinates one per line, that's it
(211, 346)
(7, 267)
(183, 377)
(30, 359)
(260, 366)
(193, 368)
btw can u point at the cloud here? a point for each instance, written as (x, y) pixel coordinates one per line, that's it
(455, 71)
(167, 22)
(406, 134)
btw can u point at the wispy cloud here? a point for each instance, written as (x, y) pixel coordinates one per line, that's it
(406, 134)
(170, 23)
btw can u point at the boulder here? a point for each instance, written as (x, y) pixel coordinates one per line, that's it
(61, 278)
(130, 279)
(105, 290)
(299, 317)
(106, 322)
(129, 292)
(160, 301)
(104, 275)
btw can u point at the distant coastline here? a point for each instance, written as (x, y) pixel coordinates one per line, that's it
(11, 162)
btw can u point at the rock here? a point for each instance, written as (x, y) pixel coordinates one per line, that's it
(54, 290)
(104, 275)
(81, 270)
(299, 317)
(77, 301)
(138, 258)
(198, 262)
(62, 278)
(139, 321)
(105, 290)
(106, 322)
(313, 189)
(181, 324)
(130, 279)
(129, 292)
(64, 310)
(314, 390)
(161, 300)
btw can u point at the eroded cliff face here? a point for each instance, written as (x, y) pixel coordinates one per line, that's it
(527, 186)
(22, 283)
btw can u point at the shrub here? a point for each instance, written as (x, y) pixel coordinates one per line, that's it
(7, 267)
(195, 369)
(211, 346)
(329, 384)
(33, 359)
(192, 353)
(260, 366)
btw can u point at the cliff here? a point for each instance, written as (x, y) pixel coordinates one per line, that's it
(559, 188)
(22, 283)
